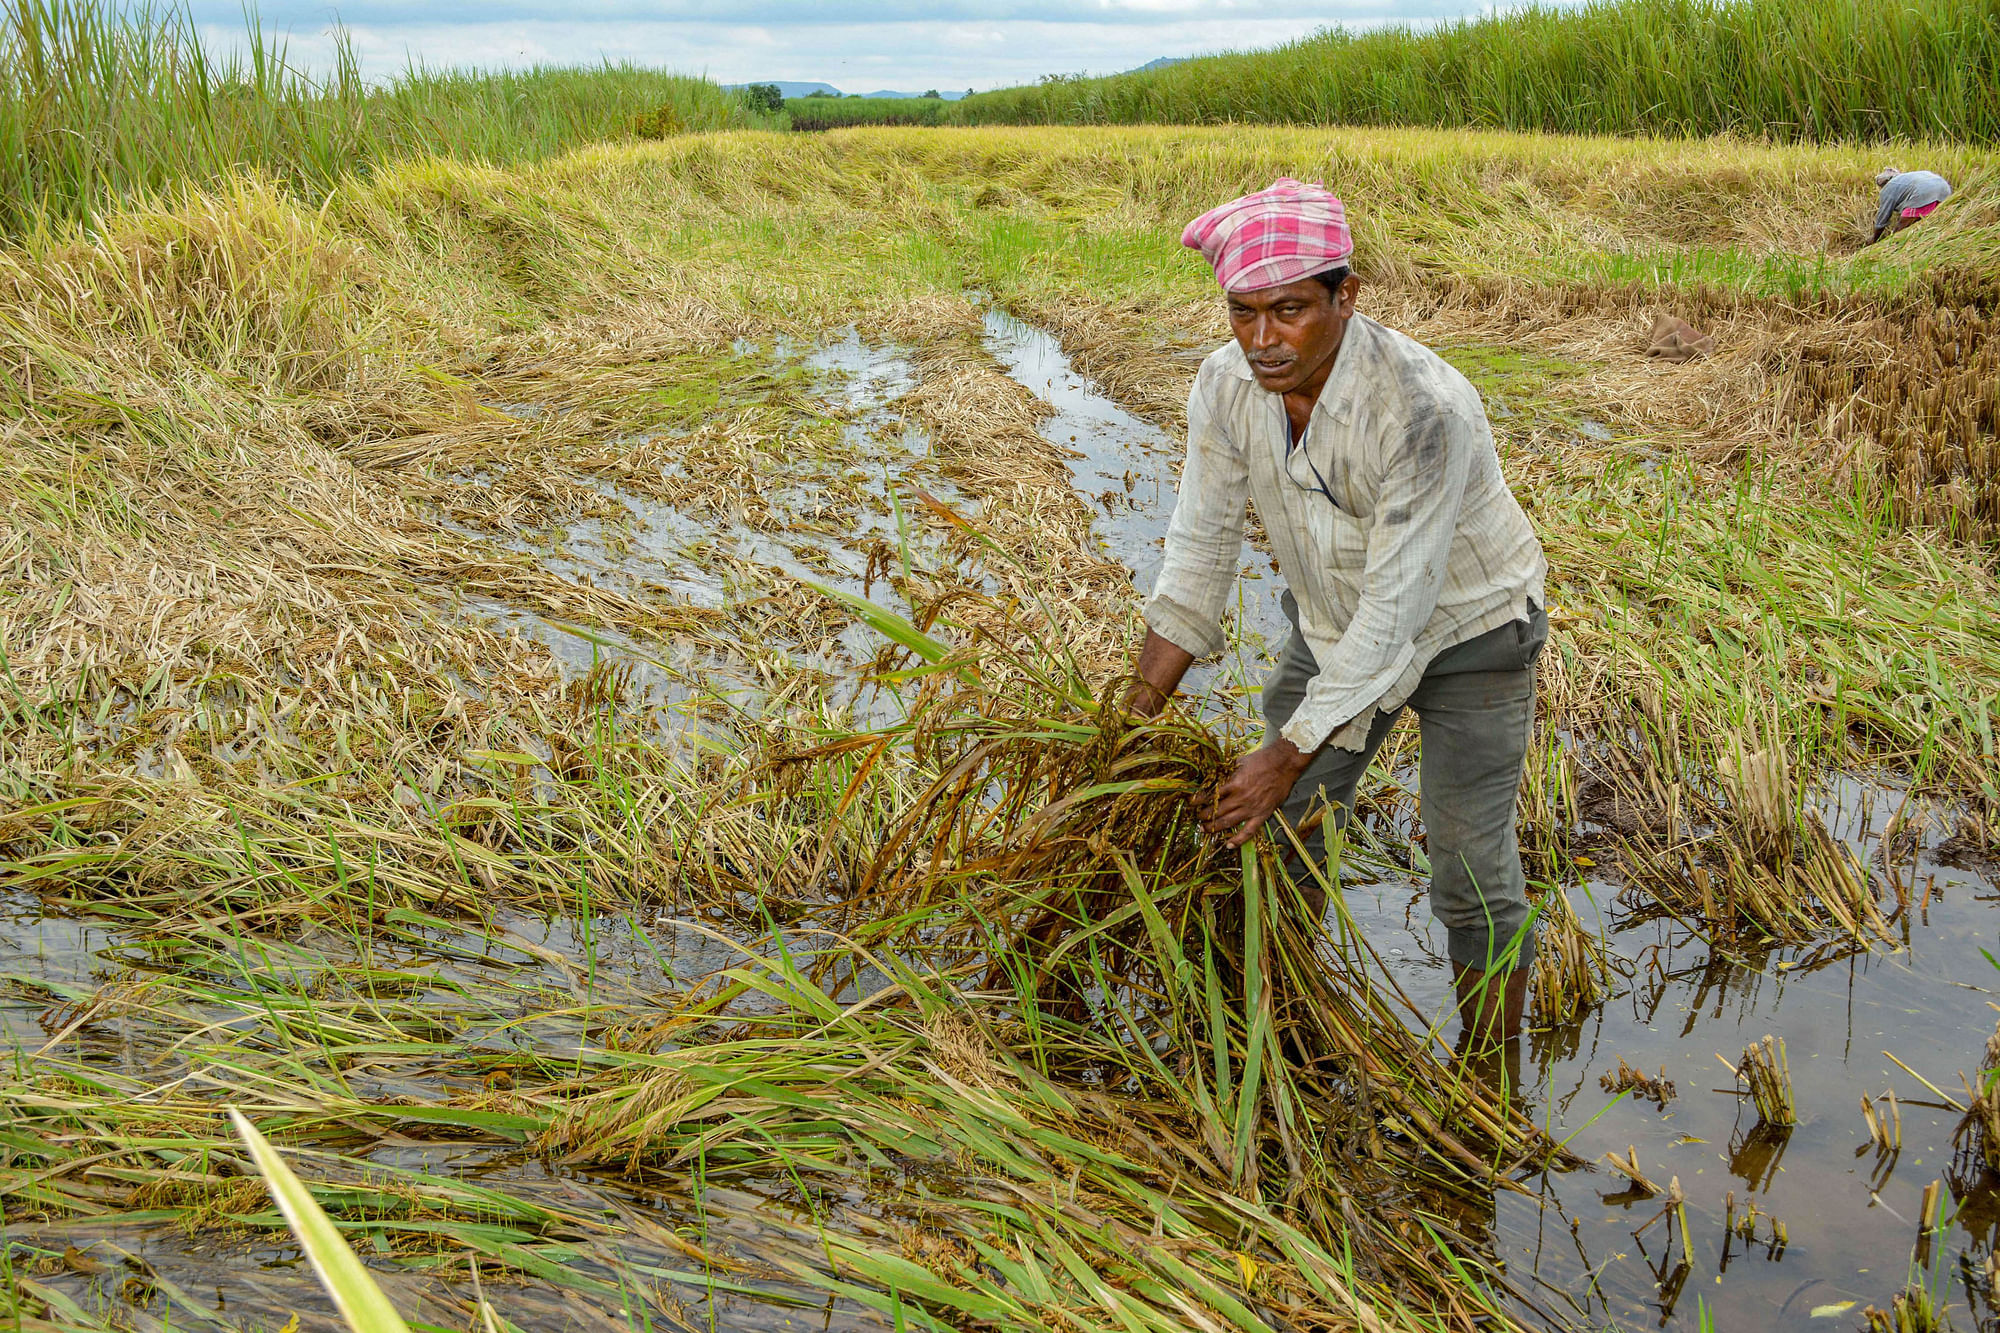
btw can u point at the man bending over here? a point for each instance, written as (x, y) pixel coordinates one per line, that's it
(1413, 577)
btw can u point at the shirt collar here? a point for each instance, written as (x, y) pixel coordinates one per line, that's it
(1336, 397)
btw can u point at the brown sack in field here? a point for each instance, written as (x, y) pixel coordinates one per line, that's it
(1676, 339)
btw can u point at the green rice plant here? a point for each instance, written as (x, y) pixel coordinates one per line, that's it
(833, 113)
(101, 103)
(1787, 69)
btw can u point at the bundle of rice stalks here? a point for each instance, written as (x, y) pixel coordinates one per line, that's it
(1572, 971)
(1769, 1074)
(1759, 861)
(1037, 862)
(1913, 1310)
(1054, 852)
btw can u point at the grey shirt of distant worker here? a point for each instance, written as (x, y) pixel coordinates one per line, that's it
(1390, 520)
(1907, 190)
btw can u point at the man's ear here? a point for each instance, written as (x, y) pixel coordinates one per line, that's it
(1350, 288)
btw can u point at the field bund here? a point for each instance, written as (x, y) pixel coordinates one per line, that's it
(570, 694)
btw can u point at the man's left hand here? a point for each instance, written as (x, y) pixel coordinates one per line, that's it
(1248, 796)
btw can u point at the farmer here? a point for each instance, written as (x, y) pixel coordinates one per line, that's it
(1906, 196)
(1414, 578)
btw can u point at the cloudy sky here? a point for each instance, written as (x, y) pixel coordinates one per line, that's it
(856, 45)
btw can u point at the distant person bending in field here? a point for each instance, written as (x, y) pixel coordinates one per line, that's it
(1906, 196)
(1414, 578)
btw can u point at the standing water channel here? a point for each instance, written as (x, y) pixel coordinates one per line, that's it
(1579, 1241)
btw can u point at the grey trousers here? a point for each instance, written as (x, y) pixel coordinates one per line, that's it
(1476, 708)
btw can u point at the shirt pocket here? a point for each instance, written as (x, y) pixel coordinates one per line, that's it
(1343, 547)
(1349, 540)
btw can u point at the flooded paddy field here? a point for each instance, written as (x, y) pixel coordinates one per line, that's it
(644, 829)
(1828, 1219)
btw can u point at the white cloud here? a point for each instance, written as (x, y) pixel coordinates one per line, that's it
(897, 43)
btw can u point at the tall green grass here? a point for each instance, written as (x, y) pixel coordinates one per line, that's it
(832, 113)
(1790, 69)
(100, 104)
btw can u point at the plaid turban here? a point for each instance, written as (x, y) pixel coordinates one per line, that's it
(1275, 236)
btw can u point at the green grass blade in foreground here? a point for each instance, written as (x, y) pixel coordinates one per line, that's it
(362, 1303)
(890, 625)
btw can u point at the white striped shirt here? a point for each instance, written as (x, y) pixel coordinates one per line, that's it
(1414, 545)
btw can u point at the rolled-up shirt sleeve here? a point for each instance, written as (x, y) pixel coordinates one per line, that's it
(1409, 549)
(1205, 535)
(1890, 203)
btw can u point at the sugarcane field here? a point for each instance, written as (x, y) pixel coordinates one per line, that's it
(1101, 707)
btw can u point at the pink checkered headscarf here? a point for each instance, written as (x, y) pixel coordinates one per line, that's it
(1278, 235)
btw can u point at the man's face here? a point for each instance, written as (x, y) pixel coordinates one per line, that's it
(1291, 333)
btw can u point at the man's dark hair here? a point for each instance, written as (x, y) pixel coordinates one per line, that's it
(1333, 277)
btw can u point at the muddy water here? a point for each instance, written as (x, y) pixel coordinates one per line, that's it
(1849, 1214)
(508, 990)
(719, 562)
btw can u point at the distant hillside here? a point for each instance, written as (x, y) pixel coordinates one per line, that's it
(1857, 70)
(793, 88)
(1160, 63)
